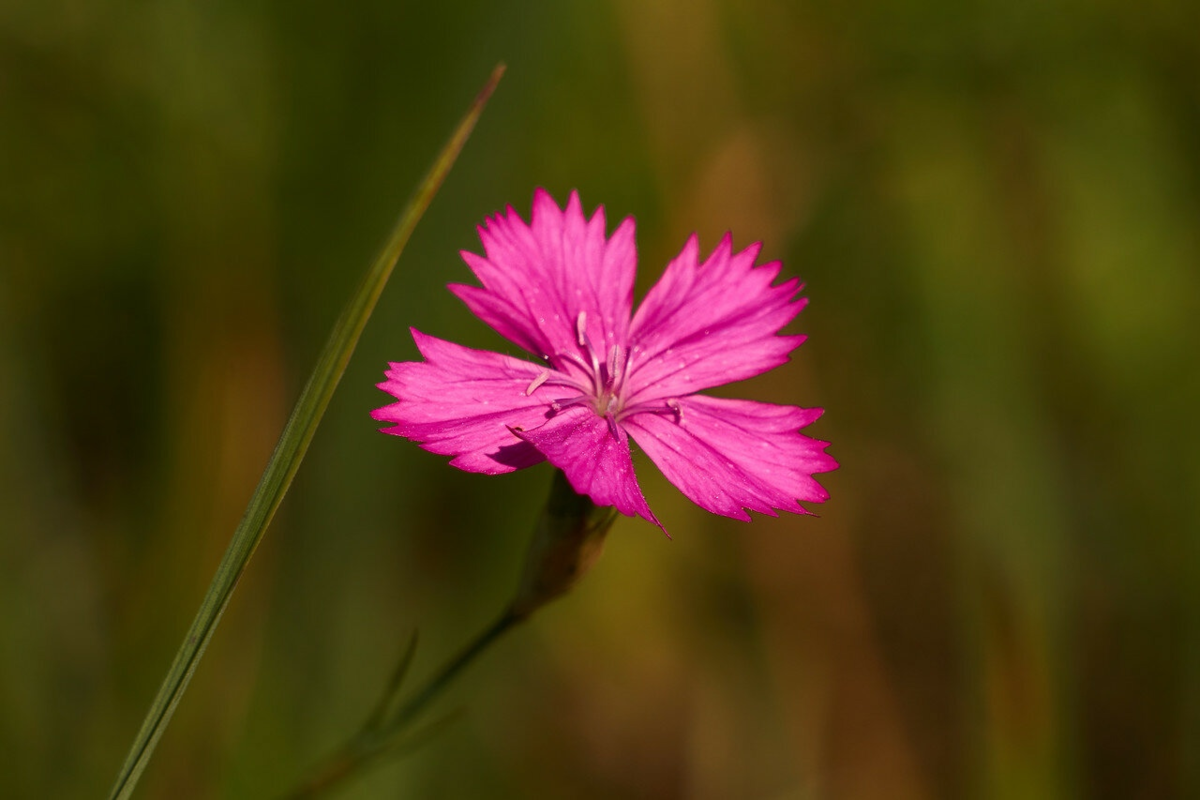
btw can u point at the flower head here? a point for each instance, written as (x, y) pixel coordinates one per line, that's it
(562, 290)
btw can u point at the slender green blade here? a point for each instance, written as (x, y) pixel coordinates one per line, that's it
(290, 450)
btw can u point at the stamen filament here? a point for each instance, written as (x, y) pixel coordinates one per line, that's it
(574, 359)
(559, 405)
(670, 406)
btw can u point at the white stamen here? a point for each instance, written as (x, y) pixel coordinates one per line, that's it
(581, 328)
(614, 360)
(536, 382)
(673, 404)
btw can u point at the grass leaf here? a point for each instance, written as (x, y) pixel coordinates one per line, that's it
(289, 452)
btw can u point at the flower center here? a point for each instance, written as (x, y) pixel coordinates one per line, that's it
(601, 384)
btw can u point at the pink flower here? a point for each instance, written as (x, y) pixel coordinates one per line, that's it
(563, 291)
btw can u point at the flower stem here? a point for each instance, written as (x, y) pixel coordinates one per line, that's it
(375, 740)
(416, 704)
(566, 542)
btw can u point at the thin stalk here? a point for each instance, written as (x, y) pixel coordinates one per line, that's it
(376, 740)
(567, 540)
(285, 460)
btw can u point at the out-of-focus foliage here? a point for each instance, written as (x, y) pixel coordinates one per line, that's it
(995, 207)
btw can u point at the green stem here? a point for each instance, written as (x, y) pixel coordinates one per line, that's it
(411, 710)
(567, 540)
(373, 741)
(285, 460)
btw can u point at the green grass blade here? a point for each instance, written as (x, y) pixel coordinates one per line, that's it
(290, 450)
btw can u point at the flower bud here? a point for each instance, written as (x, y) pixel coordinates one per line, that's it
(567, 541)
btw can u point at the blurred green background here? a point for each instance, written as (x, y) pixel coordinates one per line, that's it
(995, 206)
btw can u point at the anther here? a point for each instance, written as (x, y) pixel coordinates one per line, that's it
(677, 409)
(581, 329)
(536, 382)
(614, 358)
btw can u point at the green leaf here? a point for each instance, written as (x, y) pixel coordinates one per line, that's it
(289, 452)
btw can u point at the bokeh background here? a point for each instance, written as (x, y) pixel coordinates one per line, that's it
(995, 207)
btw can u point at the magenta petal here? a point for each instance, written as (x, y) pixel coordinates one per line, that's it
(539, 278)
(732, 455)
(595, 458)
(711, 323)
(460, 402)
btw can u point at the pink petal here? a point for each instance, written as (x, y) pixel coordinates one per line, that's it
(459, 402)
(539, 278)
(595, 458)
(731, 455)
(709, 324)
